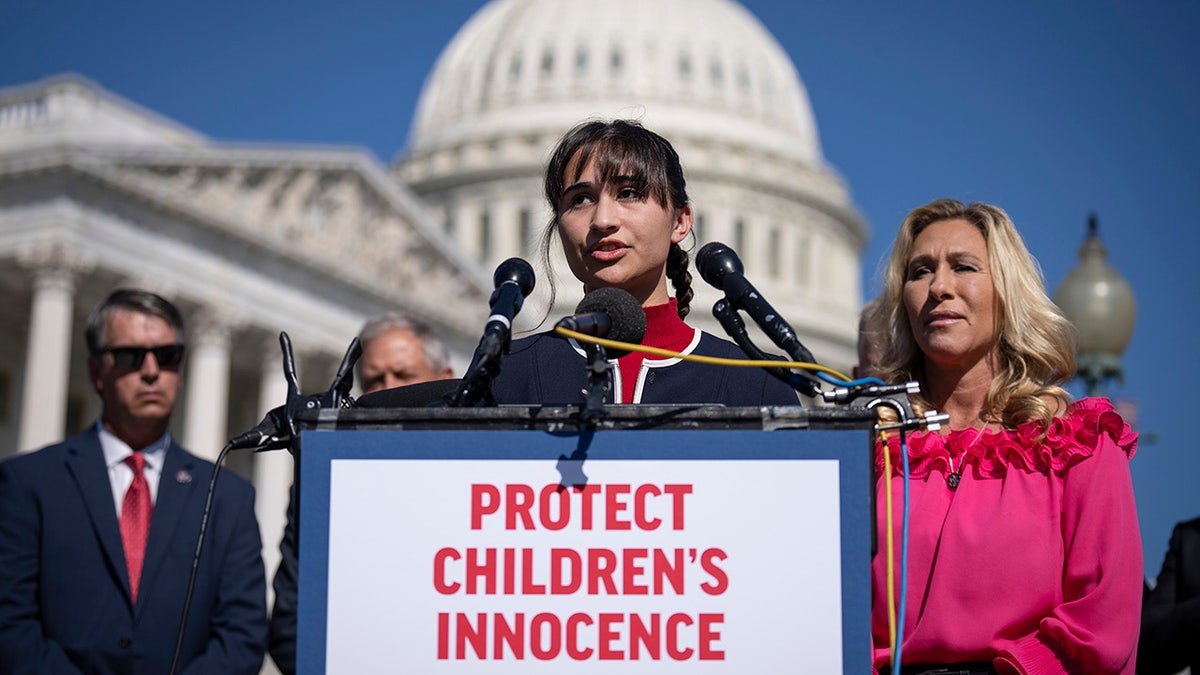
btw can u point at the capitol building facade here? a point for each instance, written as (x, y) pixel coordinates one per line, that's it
(97, 192)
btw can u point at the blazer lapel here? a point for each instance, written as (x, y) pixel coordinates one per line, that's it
(175, 489)
(85, 461)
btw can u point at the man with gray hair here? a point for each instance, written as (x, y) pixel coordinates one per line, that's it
(398, 350)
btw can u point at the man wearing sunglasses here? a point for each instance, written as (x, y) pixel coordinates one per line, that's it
(97, 533)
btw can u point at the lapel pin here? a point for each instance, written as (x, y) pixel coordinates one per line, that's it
(183, 477)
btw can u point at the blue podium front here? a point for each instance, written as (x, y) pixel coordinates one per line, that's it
(706, 540)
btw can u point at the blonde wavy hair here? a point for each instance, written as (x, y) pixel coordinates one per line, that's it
(1036, 343)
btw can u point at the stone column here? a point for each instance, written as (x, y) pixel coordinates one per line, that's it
(466, 226)
(207, 380)
(506, 236)
(273, 469)
(48, 360)
(754, 250)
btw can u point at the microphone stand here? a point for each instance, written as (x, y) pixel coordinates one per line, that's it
(732, 322)
(597, 369)
(736, 329)
(477, 380)
(286, 437)
(514, 280)
(720, 266)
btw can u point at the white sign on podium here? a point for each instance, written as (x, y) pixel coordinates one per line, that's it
(661, 552)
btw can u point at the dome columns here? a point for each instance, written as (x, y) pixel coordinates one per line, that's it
(54, 266)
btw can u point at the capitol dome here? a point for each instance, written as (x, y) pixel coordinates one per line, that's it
(708, 76)
(707, 65)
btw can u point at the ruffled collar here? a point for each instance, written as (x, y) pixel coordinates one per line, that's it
(1071, 438)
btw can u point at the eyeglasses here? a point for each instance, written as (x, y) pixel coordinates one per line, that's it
(131, 358)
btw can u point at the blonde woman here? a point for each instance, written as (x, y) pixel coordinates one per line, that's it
(1024, 551)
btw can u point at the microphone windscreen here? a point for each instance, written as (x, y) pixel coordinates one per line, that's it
(416, 395)
(626, 313)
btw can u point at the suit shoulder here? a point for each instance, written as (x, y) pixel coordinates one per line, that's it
(1192, 526)
(43, 457)
(531, 346)
(711, 345)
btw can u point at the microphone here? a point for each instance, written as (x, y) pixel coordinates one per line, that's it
(720, 266)
(265, 436)
(722, 269)
(276, 430)
(608, 313)
(278, 427)
(514, 279)
(605, 312)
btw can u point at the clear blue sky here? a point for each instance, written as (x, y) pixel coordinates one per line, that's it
(1049, 109)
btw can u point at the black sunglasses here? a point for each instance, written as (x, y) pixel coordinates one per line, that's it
(131, 358)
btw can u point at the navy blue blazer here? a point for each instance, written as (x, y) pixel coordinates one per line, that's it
(545, 369)
(1171, 612)
(64, 589)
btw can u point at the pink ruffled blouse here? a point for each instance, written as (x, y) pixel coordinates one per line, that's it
(1034, 560)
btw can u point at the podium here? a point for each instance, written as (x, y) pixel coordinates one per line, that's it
(668, 539)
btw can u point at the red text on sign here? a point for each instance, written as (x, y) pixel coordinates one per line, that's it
(612, 506)
(608, 636)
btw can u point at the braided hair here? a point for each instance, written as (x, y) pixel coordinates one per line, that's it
(681, 279)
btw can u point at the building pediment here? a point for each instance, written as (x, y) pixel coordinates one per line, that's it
(70, 109)
(332, 212)
(335, 212)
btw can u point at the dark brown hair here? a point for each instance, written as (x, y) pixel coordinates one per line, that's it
(621, 148)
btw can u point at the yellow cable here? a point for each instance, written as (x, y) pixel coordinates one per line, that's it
(627, 346)
(745, 363)
(890, 549)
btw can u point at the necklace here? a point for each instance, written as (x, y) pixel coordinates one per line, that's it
(955, 476)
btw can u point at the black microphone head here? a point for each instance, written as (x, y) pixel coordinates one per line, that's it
(518, 271)
(626, 313)
(715, 260)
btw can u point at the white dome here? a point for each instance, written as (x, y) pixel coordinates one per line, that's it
(707, 66)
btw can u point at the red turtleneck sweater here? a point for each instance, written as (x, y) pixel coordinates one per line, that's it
(664, 330)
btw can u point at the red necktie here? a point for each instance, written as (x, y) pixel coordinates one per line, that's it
(135, 521)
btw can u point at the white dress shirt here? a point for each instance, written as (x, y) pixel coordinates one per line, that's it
(120, 474)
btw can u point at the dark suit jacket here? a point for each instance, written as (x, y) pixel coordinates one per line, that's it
(64, 588)
(1170, 637)
(545, 369)
(284, 614)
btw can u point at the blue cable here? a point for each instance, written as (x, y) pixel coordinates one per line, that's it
(852, 383)
(896, 657)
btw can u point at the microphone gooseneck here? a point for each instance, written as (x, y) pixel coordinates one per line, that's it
(514, 279)
(721, 268)
(271, 430)
(278, 427)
